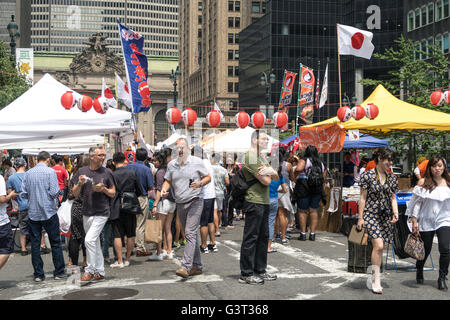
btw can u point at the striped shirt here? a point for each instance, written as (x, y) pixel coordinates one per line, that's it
(40, 184)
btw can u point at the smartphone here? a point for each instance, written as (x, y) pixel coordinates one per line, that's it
(190, 182)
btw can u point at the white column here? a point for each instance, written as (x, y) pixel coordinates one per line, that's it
(359, 88)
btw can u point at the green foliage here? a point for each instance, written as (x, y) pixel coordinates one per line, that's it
(284, 135)
(418, 79)
(12, 85)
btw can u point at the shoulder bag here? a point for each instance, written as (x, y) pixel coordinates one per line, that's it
(358, 236)
(129, 203)
(414, 246)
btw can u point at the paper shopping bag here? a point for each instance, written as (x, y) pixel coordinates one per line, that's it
(153, 231)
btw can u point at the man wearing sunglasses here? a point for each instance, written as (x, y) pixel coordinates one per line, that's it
(97, 187)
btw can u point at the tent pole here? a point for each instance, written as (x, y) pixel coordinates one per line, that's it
(414, 146)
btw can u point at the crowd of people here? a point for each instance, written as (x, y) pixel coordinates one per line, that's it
(197, 194)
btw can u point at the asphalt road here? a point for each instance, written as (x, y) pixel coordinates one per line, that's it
(306, 271)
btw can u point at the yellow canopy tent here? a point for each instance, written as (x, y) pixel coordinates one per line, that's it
(394, 115)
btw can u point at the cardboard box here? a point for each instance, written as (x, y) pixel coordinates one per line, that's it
(404, 184)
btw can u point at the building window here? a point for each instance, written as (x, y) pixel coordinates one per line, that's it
(417, 25)
(230, 71)
(236, 71)
(438, 10)
(446, 9)
(230, 38)
(199, 19)
(424, 50)
(230, 22)
(417, 56)
(424, 16)
(254, 19)
(199, 33)
(445, 44)
(200, 6)
(236, 38)
(411, 21)
(236, 87)
(230, 5)
(237, 6)
(285, 30)
(230, 87)
(439, 41)
(255, 7)
(230, 54)
(236, 54)
(431, 13)
(237, 22)
(264, 8)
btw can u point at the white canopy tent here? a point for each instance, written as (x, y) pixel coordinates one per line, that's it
(60, 151)
(233, 141)
(169, 142)
(62, 143)
(38, 115)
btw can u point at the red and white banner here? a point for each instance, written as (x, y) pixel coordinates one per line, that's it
(324, 94)
(286, 90)
(122, 92)
(306, 86)
(356, 42)
(107, 94)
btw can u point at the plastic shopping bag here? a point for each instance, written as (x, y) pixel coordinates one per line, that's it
(64, 215)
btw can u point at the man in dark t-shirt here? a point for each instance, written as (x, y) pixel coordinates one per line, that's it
(97, 187)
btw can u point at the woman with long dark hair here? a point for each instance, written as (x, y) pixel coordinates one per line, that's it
(310, 174)
(378, 209)
(429, 212)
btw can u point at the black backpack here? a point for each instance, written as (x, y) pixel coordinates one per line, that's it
(315, 179)
(239, 187)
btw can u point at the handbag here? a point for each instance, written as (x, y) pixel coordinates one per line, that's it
(414, 246)
(65, 216)
(358, 236)
(153, 231)
(129, 203)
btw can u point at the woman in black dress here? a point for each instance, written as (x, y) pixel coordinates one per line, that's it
(76, 226)
(378, 209)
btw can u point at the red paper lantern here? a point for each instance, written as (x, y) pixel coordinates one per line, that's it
(344, 113)
(358, 112)
(189, 117)
(213, 118)
(173, 115)
(67, 100)
(437, 98)
(280, 118)
(447, 96)
(371, 111)
(85, 103)
(101, 104)
(242, 119)
(258, 119)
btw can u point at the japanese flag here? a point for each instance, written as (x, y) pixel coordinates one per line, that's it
(355, 42)
(123, 93)
(107, 94)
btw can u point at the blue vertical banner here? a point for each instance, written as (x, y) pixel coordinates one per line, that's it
(136, 66)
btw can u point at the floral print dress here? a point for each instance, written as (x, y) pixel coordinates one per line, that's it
(378, 208)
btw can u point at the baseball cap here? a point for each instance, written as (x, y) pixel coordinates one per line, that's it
(20, 162)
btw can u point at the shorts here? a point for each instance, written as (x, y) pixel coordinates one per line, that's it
(165, 207)
(311, 202)
(218, 204)
(208, 212)
(6, 239)
(124, 226)
(23, 222)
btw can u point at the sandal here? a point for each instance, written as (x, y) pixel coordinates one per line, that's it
(272, 251)
(376, 283)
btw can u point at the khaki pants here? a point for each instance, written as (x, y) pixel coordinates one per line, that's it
(140, 223)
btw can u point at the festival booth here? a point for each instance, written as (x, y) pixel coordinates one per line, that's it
(37, 115)
(169, 142)
(395, 116)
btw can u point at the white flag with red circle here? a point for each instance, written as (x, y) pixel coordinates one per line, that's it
(123, 93)
(106, 93)
(356, 42)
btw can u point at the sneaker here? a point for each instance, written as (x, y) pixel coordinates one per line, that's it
(183, 242)
(182, 272)
(176, 244)
(60, 277)
(39, 279)
(117, 265)
(169, 256)
(126, 263)
(195, 272)
(251, 280)
(204, 250)
(98, 277)
(284, 241)
(87, 277)
(212, 247)
(288, 236)
(302, 237)
(312, 237)
(164, 254)
(267, 277)
(155, 257)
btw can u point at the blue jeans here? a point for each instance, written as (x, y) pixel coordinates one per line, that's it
(51, 226)
(272, 215)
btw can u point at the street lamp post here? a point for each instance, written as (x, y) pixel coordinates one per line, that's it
(267, 81)
(13, 33)
(174, 76)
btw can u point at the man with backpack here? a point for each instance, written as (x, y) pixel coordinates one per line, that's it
(254, 179)
(310, 173)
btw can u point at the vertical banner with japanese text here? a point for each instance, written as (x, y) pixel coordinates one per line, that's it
(286, 91)
(306, 93)
(136, 68)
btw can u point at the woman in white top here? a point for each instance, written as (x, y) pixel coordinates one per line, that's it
(429, 212)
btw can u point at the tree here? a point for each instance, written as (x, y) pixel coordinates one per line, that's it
(12, 84)
(414, 79)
